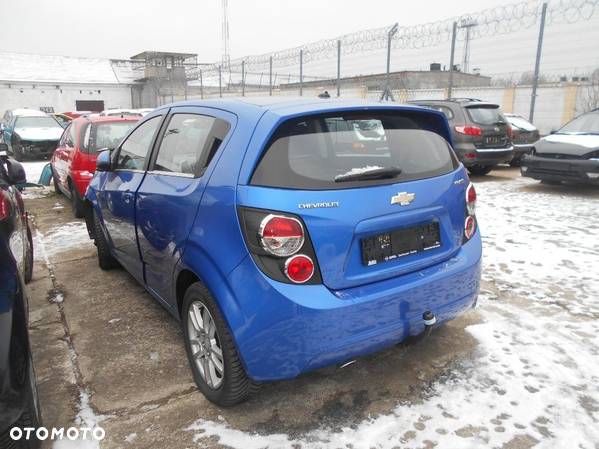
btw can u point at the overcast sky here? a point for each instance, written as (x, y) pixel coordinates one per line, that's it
(122, 28)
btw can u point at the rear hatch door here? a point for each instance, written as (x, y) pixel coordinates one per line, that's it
(380, 193)
(493, 125)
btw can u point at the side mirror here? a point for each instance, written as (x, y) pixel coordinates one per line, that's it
(104, 160)
(553, 131)
(16, 173)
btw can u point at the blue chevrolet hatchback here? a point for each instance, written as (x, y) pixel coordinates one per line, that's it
(287, 235)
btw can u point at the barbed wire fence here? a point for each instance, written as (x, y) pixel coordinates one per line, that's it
(376, 63)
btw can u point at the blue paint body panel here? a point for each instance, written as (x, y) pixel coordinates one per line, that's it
(159, 225)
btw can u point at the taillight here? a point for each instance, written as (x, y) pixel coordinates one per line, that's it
(510, 132)
(299, 268)
(469, 227)
(280, 245)
(281, 236)
(470, 221)
(5, 206)
(469, 130)
(471, 199)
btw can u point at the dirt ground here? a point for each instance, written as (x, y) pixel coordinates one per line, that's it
(106, 352)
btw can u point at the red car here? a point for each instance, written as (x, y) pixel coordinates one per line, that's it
(74, 160)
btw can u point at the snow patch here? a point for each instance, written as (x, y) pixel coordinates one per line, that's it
(63, 238)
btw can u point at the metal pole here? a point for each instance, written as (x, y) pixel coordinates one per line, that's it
(535, 81)
(270, 76)
(301, 79)
(454, 33)
(387, 92)
(243, 78)
(220, 81)
(339, 68)
(201, 86)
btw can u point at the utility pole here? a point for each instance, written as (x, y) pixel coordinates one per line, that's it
(338, 68)
(535, 81)
(226, 62)
(454, 32)
(387, 93)
(301, 78)
(468, 24)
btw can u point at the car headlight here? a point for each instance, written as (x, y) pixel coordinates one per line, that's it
(593, 156)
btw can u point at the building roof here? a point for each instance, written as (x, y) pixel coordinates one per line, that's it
(34, 68)
(161, 54)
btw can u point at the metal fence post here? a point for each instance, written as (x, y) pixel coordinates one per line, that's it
(201, 86)
(454, 33)
(535, 81)
(387, 93)
(270, 76)
(301, 79)
(243, 78)
(220, 81)
(339, 68)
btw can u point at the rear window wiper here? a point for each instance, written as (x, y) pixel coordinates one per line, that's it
(368, 173)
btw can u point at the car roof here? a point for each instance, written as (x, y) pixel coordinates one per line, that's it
(284, 106)
(466, 102)
(107, 119)
(28, 112)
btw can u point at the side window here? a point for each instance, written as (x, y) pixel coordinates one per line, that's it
(66, 140)
(189, 143)
(134, 150)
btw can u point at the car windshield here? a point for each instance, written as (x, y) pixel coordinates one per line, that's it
(37, 122)
(343, 151)
(585, 124)
(105, 135)
(485, 115)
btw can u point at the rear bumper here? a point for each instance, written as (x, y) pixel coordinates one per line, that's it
(470, 155)
(521, 149)
(575, 170)
(290, 329)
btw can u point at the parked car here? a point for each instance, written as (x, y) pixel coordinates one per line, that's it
(77, 114)
(144, 111)
(74, 161)
(481, 133)
(524, 135)
(569, 154)
(19, 404)
(281, 244)
(30, 133)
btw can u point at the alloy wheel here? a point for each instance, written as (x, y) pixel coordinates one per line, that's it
(205, 345)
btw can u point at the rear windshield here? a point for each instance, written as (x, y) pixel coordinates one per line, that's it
(485, 115)
(105, 135)
(351, 150)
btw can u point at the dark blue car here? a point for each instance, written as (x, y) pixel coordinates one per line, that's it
(289, 235)
(18, 394)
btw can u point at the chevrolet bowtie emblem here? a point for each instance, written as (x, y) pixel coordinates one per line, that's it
(403, 198)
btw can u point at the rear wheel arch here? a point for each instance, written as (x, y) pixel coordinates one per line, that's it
(185, 279)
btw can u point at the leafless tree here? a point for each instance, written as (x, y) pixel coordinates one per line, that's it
(590, 94)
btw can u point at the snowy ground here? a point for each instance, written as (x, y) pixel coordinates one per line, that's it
(533, 379)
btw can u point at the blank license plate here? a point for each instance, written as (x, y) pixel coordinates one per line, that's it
(400, 243)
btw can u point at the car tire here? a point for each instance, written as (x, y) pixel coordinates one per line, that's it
(77, 204)
(32, 416)
(480, 170)
(235, 386)
(55, 182)
(28, 272)
(106, 261)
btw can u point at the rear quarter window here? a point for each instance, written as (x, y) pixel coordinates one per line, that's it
(488, 115)
(316, 152)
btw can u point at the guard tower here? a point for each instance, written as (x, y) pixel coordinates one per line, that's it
(164, 77)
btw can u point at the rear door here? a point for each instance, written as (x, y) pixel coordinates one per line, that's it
(63, 155)
(117, 193)
(493, 125)
(168, 198)
(365, 230)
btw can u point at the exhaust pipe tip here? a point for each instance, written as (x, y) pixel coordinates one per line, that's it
(429, 318)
